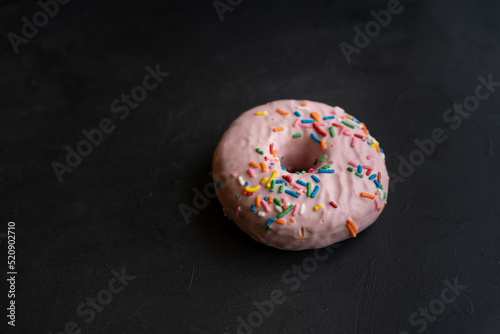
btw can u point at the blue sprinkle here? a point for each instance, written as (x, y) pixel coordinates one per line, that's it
(218, 184)
(316, 189)
(283, 168)
(247, 183)
(360, 169)
(328, 117)
(286, 184)
(302, 183)
(253, 207)
(307, 121)
(381, 151)
(266, 198)
(377, 183)
(372, 176)
(321, 170)
(272, 163)
(272, 220)
(315, 138)
(315, 178)
(280, 181)
(297, 113)
(369, 144)
(293, 193)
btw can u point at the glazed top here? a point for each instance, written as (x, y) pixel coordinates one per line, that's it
(300, 174)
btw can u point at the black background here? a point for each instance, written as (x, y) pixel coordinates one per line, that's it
(119, 207)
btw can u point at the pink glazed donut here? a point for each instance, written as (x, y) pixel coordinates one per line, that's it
(300, 174)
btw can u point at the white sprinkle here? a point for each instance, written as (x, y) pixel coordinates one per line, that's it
(302, 209)
(381, 195)
(278, 208)
(241, 181)
(262, 214)
(303, 108)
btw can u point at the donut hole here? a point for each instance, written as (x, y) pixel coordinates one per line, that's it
(301, 156)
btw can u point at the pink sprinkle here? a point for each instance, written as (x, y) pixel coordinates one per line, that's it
(238, 212)
(334, 112)
(284, 200)
(295, 210)
(321, 123)
(297, 121)
(305, 125)
(347, 132)
(250, 171)
(369, 157)
(342, 129)
(376, 203)
(297, 186)
(273, 119)
(367, 167)
(271, 166)
(233, 174)
(332, 203)
(353, 142)
(266, 207)
(353, 164)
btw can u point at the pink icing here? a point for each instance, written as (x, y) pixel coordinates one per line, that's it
(322, 227)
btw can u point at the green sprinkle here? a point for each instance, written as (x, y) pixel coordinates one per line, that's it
(315, 162)
(237, 196)
(350, 169)
(359, 175)
(277, 201)
(303, 172)
(273, 183)
(385, 195)
(332, 131)
(268, 229)
(326, 166)
(381, 187)
(282, 188)
(281, 214)
(309, 189)
(297, 172)
(297, 135)
(347, 124)
(259, 151)
(322, 158)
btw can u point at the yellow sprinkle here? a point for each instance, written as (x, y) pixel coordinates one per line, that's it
(252, 190)
(264, 180)
(275, 173)
(261, 113)
(317, 207)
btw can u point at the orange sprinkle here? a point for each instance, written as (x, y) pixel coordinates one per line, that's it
(254, 164)
(264, 166)
(351, 224)
(323, 144)
(274, 153)
(282, 112)
(378, 149)
(303, 105)
(365, 129)
(271, 199)
(281, 221)
(278, 129)
(257, 201)
(351, 231)
(367, 195)
(292, 220)
(315, 116)
(244, 192)
(379, 207)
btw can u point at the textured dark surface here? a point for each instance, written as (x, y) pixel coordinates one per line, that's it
(119, 207)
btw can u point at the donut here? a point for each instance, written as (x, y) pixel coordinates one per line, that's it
(298, 174)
